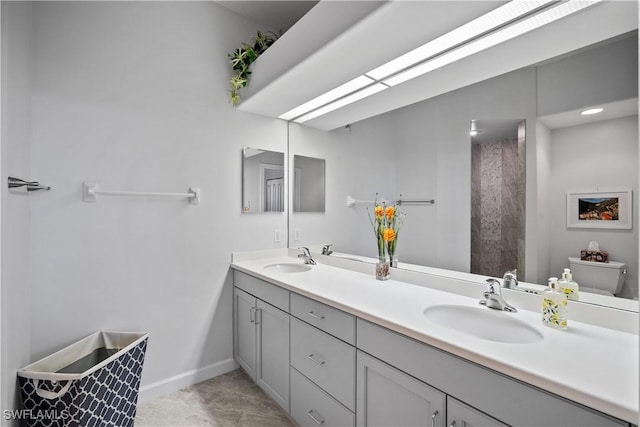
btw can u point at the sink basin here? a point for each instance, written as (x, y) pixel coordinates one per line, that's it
(483, 323)
(289, 267)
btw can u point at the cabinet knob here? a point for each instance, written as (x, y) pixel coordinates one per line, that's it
(433, 418)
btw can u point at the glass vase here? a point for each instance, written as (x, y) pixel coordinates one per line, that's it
(382, 268)
(394, 261)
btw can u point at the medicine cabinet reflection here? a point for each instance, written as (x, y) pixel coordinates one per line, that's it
(262, 181)
(308, 184)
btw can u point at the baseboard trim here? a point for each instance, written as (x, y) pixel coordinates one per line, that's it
(180, 381)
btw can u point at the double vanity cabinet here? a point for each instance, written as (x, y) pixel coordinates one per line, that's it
(325, 366)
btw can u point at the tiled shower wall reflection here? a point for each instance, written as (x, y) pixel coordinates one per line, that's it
(497, 207)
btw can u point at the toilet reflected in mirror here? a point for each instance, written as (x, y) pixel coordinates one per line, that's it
(604, 278)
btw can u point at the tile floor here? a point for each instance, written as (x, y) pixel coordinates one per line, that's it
(228, 400)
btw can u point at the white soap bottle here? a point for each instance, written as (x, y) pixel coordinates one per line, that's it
(554, 306)
(569, 286)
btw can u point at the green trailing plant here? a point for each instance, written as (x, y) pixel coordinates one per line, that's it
(241, 60)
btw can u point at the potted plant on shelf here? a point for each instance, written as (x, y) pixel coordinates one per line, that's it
(241, 60)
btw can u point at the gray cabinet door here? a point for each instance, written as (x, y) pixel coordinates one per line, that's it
(273, 352)
(244, 331)
(461, 415)
(389, 397)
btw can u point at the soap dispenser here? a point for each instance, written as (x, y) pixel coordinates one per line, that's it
(554, 306)
(569, 286)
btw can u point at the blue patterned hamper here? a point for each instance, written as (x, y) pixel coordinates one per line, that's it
(93, 382)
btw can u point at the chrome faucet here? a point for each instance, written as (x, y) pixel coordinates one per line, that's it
(510, 279)
(326, 250)
(493, 297)
(306, 254)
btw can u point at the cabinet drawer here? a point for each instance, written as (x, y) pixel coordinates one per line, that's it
(459, 414)
(325, 360)
(322, 316)
(311, 407)
(272, 294)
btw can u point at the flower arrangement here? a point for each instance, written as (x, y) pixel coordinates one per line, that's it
(386, 223)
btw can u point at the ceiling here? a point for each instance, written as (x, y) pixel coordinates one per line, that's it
(495, 130)
(338, 40)
(273, 15)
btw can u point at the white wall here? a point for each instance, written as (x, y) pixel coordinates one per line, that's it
(134, 95)
(539, 258)
(597, 155)
(596, 76)
(16, 74)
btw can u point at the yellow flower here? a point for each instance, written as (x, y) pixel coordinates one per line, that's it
(378, 211)
(389, 235)
(389, 212)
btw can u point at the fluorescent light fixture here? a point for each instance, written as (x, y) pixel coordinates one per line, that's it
(370, 90)
(493, 39)
(325, 98)
(504, 23)
(487, 22)
(592, 111)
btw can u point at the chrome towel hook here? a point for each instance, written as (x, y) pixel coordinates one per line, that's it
(31, 185)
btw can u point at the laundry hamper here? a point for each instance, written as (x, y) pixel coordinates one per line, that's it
(93, 382)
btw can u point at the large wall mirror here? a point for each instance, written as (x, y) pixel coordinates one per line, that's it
(424, 151)
(263, 187)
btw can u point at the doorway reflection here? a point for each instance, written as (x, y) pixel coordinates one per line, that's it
(497, 196)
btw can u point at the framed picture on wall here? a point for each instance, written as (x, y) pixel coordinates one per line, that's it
(599, 209)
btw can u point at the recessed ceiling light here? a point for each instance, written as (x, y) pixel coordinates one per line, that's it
(591, 111)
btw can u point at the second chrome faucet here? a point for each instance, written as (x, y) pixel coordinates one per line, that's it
(306, 254)
(493, 297)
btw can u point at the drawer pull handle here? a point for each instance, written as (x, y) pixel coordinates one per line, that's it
(318, 421)
(453, 424)
(314, 360)
(315, 316)
(433, 418)
(252, 315)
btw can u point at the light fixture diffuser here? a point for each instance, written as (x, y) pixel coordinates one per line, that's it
(327, 97)
(464, 33)
(370, 90)
(493, 39)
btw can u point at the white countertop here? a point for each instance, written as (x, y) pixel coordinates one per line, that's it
(591, 365)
